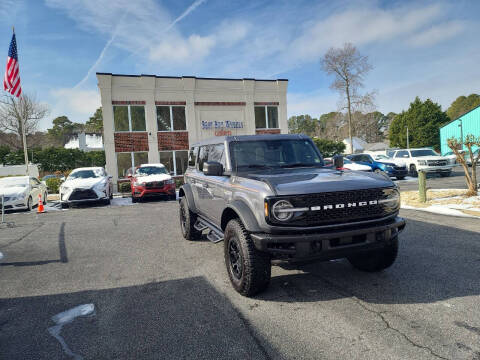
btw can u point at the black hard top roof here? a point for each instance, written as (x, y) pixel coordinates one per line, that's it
(221, 139)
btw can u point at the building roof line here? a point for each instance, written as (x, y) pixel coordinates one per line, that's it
(189, 77)
(469, 111)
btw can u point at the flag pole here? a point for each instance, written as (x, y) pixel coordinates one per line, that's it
(24, 136)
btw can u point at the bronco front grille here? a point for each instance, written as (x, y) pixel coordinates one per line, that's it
(338, 207)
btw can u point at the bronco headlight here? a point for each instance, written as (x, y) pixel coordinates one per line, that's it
(391, 200)
(138, 184)
(422, 162)
(282, 210)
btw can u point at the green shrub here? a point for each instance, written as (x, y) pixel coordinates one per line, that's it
(178, 182)
(124, 187)
(53, 185)
(328, 148)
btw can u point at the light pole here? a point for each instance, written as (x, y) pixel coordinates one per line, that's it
(408, 140)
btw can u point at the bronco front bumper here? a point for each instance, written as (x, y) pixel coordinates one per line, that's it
(331, 244)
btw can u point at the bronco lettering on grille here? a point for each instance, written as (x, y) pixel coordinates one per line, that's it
(342, 206)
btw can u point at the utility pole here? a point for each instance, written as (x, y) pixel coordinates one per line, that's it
(408, 140)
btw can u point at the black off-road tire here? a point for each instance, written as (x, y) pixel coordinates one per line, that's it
(187, 220)
(376, 260)
(413, 171)
(249, 270)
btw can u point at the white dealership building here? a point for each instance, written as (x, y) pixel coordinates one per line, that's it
(152, 119)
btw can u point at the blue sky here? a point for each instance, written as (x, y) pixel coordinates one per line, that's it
(424, 48)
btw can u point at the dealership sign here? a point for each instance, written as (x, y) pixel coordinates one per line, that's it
(222, 128)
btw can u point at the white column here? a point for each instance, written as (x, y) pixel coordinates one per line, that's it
(105, 86)
(249, 93)
(193, 126)
(282, 106)
(148, 86)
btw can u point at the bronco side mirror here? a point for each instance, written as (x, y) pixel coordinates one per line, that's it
(338, 161)
(212, 168)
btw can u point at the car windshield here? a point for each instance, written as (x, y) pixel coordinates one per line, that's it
(274, 154)
(85, 174)
(151, 170)
(423, 152)
(13, 182)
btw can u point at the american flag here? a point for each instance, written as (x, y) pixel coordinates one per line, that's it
(11, 81)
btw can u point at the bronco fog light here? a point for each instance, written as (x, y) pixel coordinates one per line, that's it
(282, 210)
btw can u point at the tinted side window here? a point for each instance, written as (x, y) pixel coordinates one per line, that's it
(217, 153)
(192, 159)
(402, 154)
(202, 157)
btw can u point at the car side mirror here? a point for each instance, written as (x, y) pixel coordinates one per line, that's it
(212, 168)
(338, 161)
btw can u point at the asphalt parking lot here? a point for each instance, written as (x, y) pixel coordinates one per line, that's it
(157, 296)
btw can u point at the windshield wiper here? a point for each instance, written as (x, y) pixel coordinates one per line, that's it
(298, 165)
(256, 166)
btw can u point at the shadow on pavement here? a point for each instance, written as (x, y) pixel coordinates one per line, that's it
(176, 319)
(435, 263)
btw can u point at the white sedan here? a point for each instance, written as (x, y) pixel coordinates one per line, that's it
(86, 185)
(21, 192)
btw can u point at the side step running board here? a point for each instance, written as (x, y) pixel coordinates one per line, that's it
(215, 235)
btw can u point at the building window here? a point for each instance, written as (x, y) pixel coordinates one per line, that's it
(266, 117)
(176, 161)
(129, 118)
(171, 118)
(130, 160)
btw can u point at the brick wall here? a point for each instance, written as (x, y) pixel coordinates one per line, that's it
(175, 140)
(267, 131)
(131, 141)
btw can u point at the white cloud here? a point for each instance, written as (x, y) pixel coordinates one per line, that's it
(77, 105)
(360, 27)
(437, 33)
(313, 103)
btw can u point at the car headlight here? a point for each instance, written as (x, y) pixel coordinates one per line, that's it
(64, 189)
(422, 162)
(100, 186)
(169, 181)
(282, 210)
(391, 199)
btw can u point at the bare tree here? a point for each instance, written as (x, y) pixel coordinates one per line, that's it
(348, 67)
(13, 110)
(471, 177)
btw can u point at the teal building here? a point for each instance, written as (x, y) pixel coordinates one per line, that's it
(468, 123)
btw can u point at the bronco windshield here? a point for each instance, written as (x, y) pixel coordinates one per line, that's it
(151, 170)
(274, 154)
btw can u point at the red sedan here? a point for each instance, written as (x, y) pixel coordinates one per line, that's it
(152, 180)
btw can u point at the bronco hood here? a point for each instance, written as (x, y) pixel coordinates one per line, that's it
(309, 181)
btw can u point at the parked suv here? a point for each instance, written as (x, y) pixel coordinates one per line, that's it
(151, 180)
(271, 197)
(391, 169)
(425, 160)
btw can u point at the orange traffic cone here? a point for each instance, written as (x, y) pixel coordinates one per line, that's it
(40, 209)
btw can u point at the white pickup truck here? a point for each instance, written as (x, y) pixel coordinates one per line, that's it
(425, 160)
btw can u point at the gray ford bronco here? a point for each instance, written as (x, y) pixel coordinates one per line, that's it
(271, 197)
